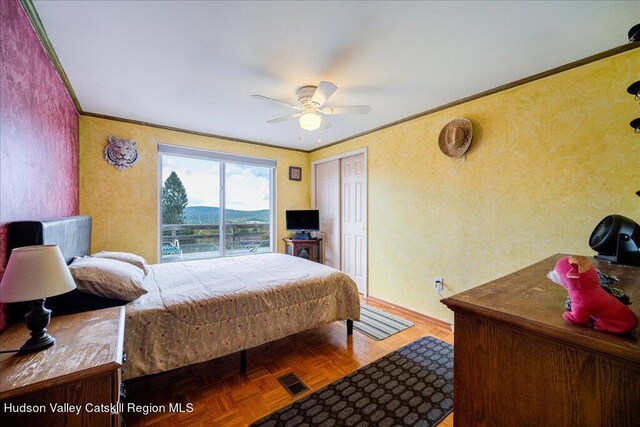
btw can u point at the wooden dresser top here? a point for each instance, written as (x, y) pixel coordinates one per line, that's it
(86, 344)
(527, 299)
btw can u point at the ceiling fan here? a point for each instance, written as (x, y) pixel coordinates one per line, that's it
(311, 108)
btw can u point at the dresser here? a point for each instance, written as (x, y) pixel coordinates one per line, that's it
(518, 363)
(74, 383)
(310, 249)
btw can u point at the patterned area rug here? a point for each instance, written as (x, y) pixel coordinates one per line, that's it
(412, 386)
(378, 324)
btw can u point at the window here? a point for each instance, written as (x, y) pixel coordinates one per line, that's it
(214, 204)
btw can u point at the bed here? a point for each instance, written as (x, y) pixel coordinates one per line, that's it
(196, 311)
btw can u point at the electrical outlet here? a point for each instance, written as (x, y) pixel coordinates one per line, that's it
(438, 284)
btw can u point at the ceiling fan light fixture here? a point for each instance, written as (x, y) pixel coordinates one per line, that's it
(310, 109)
(310, 121)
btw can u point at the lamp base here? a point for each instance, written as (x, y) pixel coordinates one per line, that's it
(31, 346)
(37, 321)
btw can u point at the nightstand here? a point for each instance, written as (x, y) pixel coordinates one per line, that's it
(80, 373)
(310, 249)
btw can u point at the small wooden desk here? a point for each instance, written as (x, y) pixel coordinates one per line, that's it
(518, 363)
(310, 249)
(82, 368)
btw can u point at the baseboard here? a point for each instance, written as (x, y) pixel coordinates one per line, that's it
(410, 312)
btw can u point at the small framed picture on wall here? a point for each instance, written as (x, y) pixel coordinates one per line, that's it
(295, 173)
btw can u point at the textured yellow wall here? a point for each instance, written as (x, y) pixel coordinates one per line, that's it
(549, 159)
(124, 205)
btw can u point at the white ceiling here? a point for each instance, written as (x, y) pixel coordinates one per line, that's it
(194, 65)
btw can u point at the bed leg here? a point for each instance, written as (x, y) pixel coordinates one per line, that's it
(243, 362)
(349, 327)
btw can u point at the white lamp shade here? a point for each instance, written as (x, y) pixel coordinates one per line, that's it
(35, 272)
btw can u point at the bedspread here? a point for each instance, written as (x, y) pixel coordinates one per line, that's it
(199, 310)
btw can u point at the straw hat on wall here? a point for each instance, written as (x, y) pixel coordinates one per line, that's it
(455, 137)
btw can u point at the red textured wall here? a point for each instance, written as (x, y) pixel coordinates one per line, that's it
(38, 131)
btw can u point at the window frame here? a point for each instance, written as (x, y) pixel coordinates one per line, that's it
(222, 158)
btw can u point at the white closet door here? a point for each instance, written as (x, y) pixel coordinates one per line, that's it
(354, 193)
(328, 203)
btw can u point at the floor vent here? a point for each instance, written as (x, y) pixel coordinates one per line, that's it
(293, 384)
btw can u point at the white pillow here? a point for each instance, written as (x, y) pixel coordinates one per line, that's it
(108, 278)
(127, 257)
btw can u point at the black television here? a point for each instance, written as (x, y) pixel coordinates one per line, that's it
(308, 220)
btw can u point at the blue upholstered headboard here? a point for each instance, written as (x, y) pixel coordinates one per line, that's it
(73, 236)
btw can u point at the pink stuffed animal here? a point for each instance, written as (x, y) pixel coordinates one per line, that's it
(589, 300)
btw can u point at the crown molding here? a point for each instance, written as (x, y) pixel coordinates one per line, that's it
(191, 132)
(36, 23)
(516, 83)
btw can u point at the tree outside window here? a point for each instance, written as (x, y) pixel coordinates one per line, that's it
(174, 200)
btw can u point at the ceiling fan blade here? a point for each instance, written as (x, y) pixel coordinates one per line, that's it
(276, 101)
(282, 119)
(325, 123)
(323, 92)
(353, 109)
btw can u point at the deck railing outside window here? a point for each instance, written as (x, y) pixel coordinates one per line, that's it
(197, 241)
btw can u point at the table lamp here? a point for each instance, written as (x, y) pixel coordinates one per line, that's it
(33, 274)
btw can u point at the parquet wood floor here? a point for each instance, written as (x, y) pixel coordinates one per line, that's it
(221, 396)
